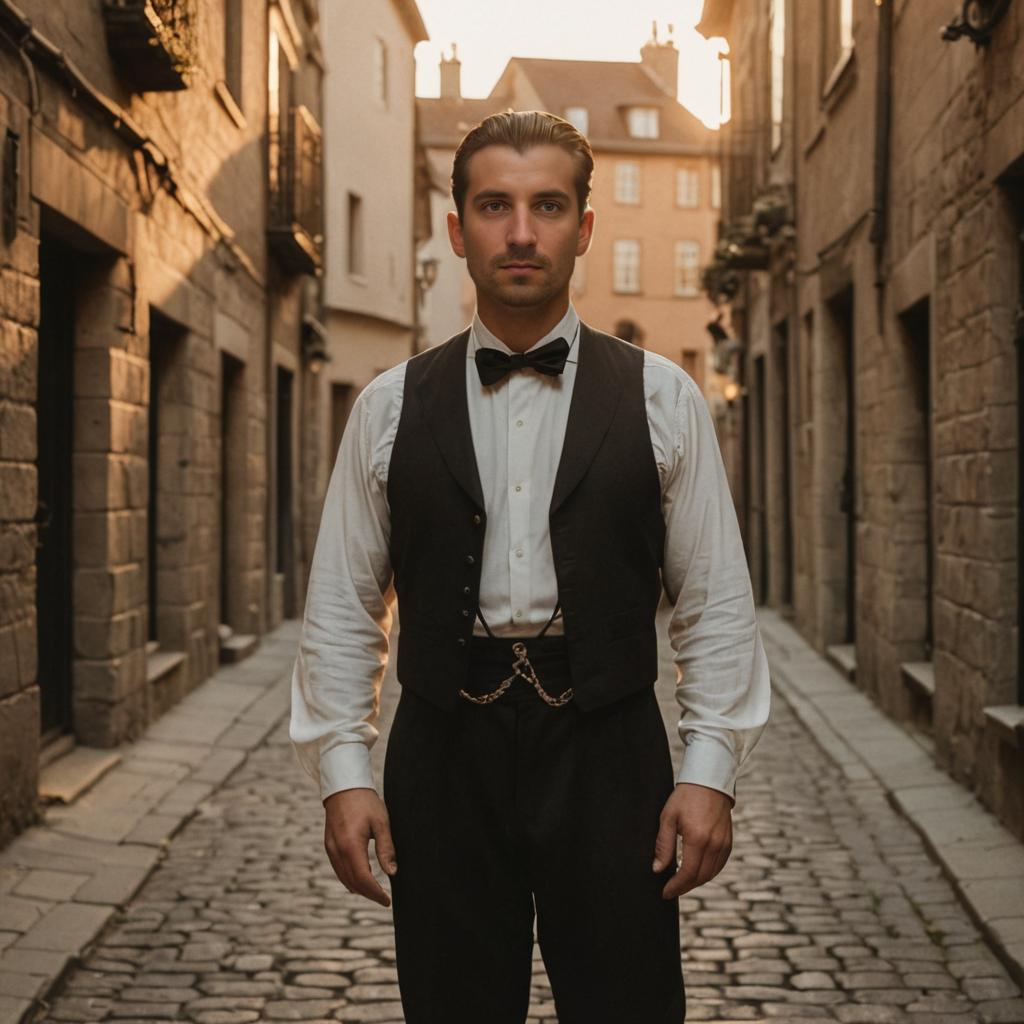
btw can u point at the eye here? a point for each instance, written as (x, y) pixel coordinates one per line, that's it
(492, 206)
(550, 206)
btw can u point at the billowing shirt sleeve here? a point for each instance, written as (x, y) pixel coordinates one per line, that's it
(343, 647)
(723, 684)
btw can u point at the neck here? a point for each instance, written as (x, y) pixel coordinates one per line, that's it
(521, 328)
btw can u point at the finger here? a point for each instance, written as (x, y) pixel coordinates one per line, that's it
(689, 864)
(361, 879)
(384, 847)
(665, 843)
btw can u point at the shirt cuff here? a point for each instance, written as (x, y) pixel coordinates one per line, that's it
(707, 761)
(346, 766)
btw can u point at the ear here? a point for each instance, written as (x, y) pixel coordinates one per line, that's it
(455, 235)
(586, 233)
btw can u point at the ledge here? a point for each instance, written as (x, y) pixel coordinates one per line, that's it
(160, 664)
(229, 103)
(844, 658)
(920, 677)
(1008, 722)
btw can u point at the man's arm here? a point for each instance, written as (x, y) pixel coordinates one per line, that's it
(343, 649)
(723, 686)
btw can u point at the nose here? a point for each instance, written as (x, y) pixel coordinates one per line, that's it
(521, 232)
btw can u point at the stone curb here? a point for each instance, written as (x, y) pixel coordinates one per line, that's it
(983, 860)
(64, 880)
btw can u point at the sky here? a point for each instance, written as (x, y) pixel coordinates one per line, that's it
(489, 32)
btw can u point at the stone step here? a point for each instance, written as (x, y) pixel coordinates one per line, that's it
(66, 779)
(844, 657)
(238, 648)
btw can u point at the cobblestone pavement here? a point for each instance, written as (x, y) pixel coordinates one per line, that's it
(830, 910)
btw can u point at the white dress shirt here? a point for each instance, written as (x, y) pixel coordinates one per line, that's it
(518, 426)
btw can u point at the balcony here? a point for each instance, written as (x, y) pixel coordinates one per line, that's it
(295, 228)
(153, 42)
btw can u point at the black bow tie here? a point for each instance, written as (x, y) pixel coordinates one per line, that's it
(493, 365)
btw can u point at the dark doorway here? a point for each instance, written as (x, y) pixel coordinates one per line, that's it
(757, 422)
(233, 523)
(783, 428)
(54, 467)
(285, 518)
(341, 405)
(165, 337)
(918, 447)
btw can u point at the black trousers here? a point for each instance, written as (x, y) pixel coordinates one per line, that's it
(505, 810)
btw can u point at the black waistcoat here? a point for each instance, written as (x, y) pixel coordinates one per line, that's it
(607, 530)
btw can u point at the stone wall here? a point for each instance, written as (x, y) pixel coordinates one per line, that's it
(926, 335)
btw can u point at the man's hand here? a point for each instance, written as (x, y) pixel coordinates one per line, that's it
(703, 817)
(353, 816)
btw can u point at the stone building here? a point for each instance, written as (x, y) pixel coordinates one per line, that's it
(870, 264)
(655, 192)
(369, 276)
(160, 241)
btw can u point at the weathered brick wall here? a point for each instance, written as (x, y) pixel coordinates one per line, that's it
(19, 695)
(192, 256)
(935, 369)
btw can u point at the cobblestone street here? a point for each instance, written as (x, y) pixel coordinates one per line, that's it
(830, 910)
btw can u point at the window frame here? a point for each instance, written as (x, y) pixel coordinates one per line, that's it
(626, 269)
(682, 267)
(623, 193)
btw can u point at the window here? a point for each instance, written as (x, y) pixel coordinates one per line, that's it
(627, 182)
(777, 45)
(578, 118)
(643, 122)
(838, 22)
(688, 187)
(355, 234)
(233, 49)
(687, 279)
(626, 266)
(380, 70)
(279, 100)
(716, 187)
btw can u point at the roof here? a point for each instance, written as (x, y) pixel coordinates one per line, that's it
(607, 89)
(412, 19)
(442, 123)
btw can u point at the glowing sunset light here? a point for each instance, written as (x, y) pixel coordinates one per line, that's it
(487, 33)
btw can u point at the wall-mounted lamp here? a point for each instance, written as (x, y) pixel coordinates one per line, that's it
(314, 344)
(977, 21)
(732, 391)
(428, 271)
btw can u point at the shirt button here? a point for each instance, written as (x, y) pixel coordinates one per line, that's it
(519, 423)
(519, 613)
(470, 560)
(519, 487)
(519, 553)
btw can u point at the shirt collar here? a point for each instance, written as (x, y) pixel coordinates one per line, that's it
(568, 327)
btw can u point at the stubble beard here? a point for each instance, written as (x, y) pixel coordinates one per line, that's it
(519, 292)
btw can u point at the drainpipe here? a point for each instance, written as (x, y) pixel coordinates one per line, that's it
(883, 122)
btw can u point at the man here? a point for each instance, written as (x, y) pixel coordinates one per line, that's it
(529, 488)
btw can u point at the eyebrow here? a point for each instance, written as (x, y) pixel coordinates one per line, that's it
(493, 193)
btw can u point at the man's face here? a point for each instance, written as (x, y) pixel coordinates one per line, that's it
(521, 230)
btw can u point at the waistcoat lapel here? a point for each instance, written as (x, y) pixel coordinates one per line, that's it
(595, 399)
(441, 396)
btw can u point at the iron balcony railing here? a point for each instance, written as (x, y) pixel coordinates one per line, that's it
(296, 191)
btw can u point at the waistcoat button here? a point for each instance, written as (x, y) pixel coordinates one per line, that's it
(467, 591)
(465, 613)
(470, 560)
(477, 520)
(461, 641)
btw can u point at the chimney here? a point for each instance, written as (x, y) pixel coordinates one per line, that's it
(662, 61)
(451, 76)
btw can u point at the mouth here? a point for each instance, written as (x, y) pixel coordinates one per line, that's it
(519, 267)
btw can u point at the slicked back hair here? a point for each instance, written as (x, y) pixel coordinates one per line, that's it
(523, 129)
